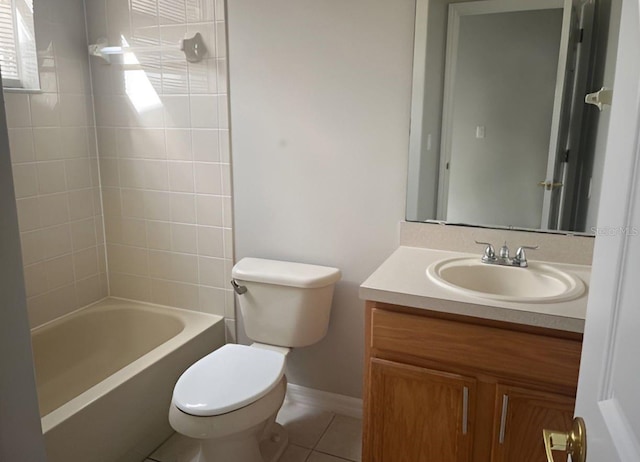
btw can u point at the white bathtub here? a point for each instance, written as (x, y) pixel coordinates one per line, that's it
(105, 375)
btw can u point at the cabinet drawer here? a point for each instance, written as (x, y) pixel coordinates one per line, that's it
(492, 350)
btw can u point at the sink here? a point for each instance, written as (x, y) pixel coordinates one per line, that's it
(539, 283)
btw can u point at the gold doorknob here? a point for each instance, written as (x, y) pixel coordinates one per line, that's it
(574, 441)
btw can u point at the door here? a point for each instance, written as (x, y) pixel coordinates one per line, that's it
(419, 414)
(609, 385)
(520, 416)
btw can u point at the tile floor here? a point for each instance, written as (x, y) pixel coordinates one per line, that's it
(314, 436)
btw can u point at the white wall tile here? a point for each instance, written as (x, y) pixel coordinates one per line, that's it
(181, 176)
(212, 300)
(158, 235)
(85, 263)
(32, 247)
(210, 242)
(25, 180)
(47, 144)
(179, 145)
(35, 278)
(28, 214)
(183, 208)
(54, 209)
(45, 110)
(130, 286)
(132, 203)
(133, 232)
(59, 271)
(156, 174)
(148, 173)
(212, 271)
(206, 145)
(208, 178)
(21, 144)
(18, 110)
(89, 290)
(204, 111)
(155, 205)
(81, 204)
(209, 210)
(56, 241)
(78, 173)
(176, 110)
(184, 238)
(83, 234)
(51, 177)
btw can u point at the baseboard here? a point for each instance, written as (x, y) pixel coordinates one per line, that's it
(340, 404)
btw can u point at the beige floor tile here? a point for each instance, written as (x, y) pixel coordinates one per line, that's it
(178, 448)
(320, 457)
(304, 424)
(295, 453)
(343, 438)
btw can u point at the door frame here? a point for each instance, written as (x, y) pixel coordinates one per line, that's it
(456, 11)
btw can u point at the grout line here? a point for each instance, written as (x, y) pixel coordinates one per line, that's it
(333, 416)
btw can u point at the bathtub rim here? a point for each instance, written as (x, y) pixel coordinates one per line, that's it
(194, 323)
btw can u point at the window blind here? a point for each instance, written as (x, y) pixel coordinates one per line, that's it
(8, 42)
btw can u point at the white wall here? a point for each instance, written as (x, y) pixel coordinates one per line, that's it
(20, 431)
(505, 81)
(320, 102)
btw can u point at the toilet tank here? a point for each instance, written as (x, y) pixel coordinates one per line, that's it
(285, 304)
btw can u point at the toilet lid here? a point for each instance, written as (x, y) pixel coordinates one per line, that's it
(231, 377)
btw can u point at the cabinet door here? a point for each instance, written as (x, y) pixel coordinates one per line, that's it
(520, 417)
(418, 415)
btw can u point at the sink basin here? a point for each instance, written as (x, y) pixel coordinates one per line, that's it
(539, 283)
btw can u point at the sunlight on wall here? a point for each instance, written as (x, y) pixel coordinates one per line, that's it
(137, 85)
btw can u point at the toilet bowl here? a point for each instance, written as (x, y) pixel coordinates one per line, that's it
(229, 399)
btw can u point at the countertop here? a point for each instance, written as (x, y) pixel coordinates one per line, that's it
(402, 280)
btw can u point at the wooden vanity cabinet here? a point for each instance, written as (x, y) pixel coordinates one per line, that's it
(448, 388)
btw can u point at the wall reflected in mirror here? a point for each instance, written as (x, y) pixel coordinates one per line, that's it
(501, 135)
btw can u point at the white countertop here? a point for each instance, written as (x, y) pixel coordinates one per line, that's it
(402, 280)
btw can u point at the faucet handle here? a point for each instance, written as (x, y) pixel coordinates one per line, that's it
(521, 257)
(489, 252)
(504, 251)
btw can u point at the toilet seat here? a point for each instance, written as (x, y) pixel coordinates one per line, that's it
(228, 379)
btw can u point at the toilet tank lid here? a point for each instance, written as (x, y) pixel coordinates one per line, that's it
(285, 273)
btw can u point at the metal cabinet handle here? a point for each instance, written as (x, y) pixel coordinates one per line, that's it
(574, 441)
(503, 418)
(465, 410)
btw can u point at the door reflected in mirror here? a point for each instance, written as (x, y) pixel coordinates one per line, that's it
(500, 131)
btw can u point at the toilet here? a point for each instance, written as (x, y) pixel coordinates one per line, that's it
(230, 398)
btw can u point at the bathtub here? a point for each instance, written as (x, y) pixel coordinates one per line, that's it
(105, 375)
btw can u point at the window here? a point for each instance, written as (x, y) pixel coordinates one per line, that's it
(18, 58)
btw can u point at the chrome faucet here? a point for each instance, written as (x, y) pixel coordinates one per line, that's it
(503, 258)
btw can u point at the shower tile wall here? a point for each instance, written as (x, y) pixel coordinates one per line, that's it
(164, 153)
(53, 151)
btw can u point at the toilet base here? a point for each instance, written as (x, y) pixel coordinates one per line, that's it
(180, 448)
(246, 447)
(274, 443)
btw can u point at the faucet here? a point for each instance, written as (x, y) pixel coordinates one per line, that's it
(503, 259)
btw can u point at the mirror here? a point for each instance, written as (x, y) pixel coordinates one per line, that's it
(501, 135)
